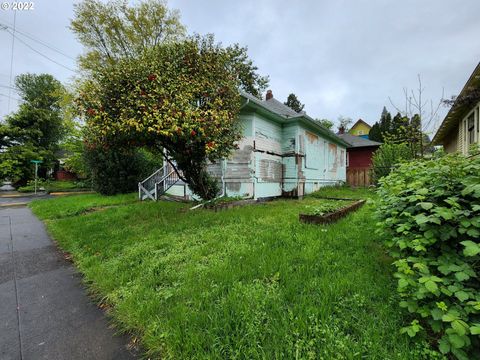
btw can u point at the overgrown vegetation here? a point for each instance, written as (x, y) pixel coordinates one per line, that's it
(430, 214)
(54, 186)
(387, 157)
(247, 283)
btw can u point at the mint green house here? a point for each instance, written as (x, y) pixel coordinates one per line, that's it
(282, 153)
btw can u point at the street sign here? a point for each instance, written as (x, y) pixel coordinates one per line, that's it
(36, 162)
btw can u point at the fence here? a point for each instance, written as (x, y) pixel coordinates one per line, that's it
(359, 177)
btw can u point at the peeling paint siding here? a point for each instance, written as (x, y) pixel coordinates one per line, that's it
(239, 189)
(268, 136)
(268, 163)
(289, 139)
(269, 168)
(324, 164)
(239, 164)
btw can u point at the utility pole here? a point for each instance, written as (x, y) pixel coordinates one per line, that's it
(11, 60)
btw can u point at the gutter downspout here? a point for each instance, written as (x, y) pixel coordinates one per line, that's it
(246, 103)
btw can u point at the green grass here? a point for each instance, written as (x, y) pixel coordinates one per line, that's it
(68, 206)
(247, 283)
(343, 192)
(56, 186)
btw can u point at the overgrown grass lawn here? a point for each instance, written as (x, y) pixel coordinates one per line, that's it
(54, 186)
(250, 282)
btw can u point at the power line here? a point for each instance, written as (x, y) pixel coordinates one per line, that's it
(39, 53)
(8, 87)
(10, 97)
(41, 42)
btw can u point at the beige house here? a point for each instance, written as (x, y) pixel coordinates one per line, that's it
(461, 127)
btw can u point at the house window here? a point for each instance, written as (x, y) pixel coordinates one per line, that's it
(360, 132)
(471, 129)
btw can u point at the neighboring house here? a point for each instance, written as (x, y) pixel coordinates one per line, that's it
(461, 127)
(59, 171)
(359, 159)
(282, 153)
(360, 128)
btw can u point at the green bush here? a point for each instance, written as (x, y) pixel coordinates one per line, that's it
(430, 211)
(118, 170)
(387, 157)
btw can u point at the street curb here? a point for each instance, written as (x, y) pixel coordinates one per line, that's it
(63, 193)
(13, 204)
(22, 195)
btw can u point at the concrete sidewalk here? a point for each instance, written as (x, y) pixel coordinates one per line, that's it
(44, 310)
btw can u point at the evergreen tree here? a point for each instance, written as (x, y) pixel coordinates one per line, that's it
(375, 133)
(381, 127)
(293, 103)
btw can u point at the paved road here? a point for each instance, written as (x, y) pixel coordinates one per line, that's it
(44, 310)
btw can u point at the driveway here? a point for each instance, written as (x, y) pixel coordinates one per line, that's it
(45, 312)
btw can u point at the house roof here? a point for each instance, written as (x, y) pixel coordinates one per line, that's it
(358, 141)
(459, 108)
(282, 113)
(360, 121)
(280, 108)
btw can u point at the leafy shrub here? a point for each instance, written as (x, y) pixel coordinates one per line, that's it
(387, 157)
(430, 211)
(118, 170)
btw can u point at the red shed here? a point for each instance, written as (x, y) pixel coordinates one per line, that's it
(359, 159)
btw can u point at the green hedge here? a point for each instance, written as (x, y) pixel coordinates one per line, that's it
(118, 170)
(430, 214)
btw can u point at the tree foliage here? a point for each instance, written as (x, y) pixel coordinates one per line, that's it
(34, 131)
(429, 213)
(294, 104)
(388, 157)
(113, 30)
(400, 129)
(327, 124)
(344, 123)
(182, 97)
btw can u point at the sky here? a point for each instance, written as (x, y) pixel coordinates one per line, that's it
(340, 57)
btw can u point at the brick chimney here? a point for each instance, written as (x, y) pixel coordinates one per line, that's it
(269, 95)
(341, 130)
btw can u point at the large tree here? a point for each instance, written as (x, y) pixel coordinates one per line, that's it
(294, 104)
(113, 30)
(182, 97)
(35, 129)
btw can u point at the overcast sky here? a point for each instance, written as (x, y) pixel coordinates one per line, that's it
(341, 57)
